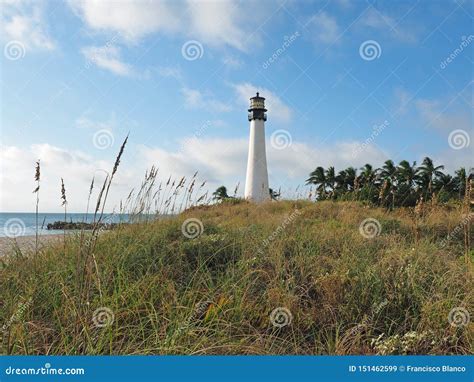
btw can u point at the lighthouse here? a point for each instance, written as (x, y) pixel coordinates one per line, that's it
(256, 183)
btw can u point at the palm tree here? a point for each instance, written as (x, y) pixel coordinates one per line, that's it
(331, 181)
(345, 180)
(318, 178)
(460, 180)
(220, 194)
(392, 185)
(408, 174)
(430, 172)
(367, 175)
(340, 184)
(407, 177)
(388, 171)
(444, 182)
(274, 195)
(365, 183)
(389, 174)
(351, 174)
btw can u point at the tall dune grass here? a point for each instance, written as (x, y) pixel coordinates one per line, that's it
(214, 294)
(151, 287)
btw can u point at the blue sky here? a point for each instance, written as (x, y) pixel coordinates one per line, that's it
(76, 77)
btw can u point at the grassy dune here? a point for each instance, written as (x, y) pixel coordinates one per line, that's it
(148, 289)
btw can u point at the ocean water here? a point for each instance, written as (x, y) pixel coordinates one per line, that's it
(24, 224)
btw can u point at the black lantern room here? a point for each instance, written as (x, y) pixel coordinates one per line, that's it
(257, 108)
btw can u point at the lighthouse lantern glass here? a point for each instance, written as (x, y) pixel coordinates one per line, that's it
(257, 104)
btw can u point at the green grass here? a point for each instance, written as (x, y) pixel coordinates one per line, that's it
(214, 294)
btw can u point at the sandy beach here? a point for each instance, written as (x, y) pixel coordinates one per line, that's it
(26, 243)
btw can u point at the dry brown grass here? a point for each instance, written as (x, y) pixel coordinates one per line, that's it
(214, 294)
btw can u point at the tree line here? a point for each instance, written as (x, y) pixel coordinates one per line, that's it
(391, 185)
(220, 194)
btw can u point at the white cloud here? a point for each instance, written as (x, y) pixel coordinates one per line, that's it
(278, 109)
(219, 22)
(224, 161)
(214, 22)
(375, 19)
(382, 22)
(403, 99)
(461, 158)
(170, 71)
(345, 4)
(76, 167)
(131, 19)
(438, 114)
(219, 161)
(215, 159)
(107, 57)
(24, 21)
(232, 62)
(85, 123)
(194, 99)
(300, 158)
(324, 27)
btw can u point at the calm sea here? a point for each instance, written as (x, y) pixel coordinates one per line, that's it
(24, 224)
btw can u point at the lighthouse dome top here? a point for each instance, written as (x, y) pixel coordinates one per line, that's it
(257, 103)
(258, 96)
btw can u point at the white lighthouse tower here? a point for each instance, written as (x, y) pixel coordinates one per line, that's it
(256, 183)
